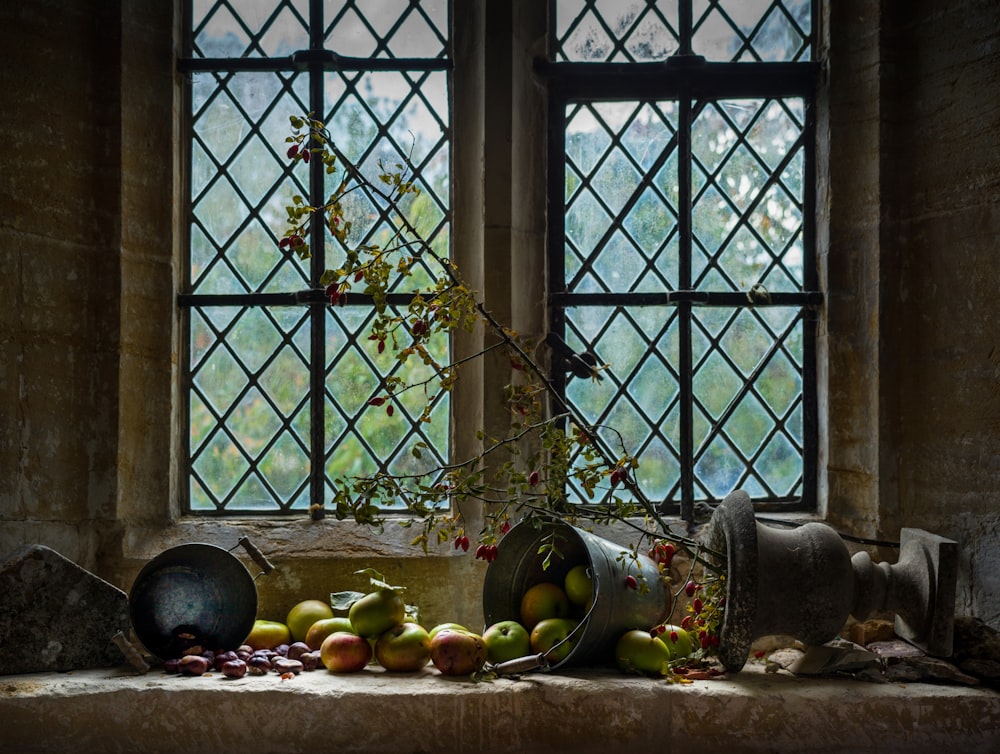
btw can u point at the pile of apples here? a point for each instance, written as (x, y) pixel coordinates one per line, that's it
(549, 613)
(375, 629)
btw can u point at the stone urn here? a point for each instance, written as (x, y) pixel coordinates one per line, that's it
(804, 582)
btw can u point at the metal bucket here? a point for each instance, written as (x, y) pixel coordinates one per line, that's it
(616, 607)
(195, 594)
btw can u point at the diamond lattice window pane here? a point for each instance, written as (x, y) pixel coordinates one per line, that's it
(387, 28)
(752, 30)
(249, 28)
(747, 216)
(615, 30)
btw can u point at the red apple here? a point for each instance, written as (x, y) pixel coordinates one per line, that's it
(506, 640)
(457, 652)
(343, 652)
(405, 648)
(549, 632)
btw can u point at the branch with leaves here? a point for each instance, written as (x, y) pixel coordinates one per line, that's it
(522, 474)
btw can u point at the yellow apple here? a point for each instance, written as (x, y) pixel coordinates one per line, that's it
(267, 634)
(545, 600)
(304, 614)
(578, 585)
(319, 630)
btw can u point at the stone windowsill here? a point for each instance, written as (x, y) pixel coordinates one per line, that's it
(580, 711)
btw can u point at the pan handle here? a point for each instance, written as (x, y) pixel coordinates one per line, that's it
(134, 657)
(256, 555)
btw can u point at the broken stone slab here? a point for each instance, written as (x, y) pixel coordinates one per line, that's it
(925, 669)
(837, 656)
(55, 615)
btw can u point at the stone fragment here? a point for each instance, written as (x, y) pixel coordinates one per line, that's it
(783, 659)
(865, 632)
(55, 615)
(837, 656)
(895, 650)
(927, 670)
(977, 649)
(974, 639)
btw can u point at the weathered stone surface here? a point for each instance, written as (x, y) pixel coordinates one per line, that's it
(583, 712)
(55, 615)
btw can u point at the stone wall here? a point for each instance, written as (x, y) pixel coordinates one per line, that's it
(910, 362)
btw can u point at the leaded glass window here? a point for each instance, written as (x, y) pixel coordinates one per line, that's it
(277, 381)
(681, 238)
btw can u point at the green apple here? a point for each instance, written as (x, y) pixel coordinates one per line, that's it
(304, 614)
(549, 632)
(446, 627)
(268, 634)
(678, 641)
(343, 652)
(579, 585)
(319, 630)
(544, 600)
(376, 613)
(637, 651)
(506, 640)
(404, 648)
(457, 652)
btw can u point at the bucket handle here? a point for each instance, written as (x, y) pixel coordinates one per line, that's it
(255, 555)
(541, 661)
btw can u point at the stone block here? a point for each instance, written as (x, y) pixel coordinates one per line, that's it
(55, 615)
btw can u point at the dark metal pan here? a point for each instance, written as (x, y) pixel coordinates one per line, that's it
(195, 595)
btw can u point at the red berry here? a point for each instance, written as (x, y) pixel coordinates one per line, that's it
(534, 478)
(690, 588)
(378, 400)
(390, 410)
(359, 276)
(630, 582)
(687, 622)
(481, 552)
(505, 527)
(293, 150)
(706, 642)
(305, 155)
(661, 629)
(674, 637)
(381, 346)
(697, 604)
(616, 477)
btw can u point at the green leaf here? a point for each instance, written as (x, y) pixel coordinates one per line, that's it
(344, 600)
(378, 580)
